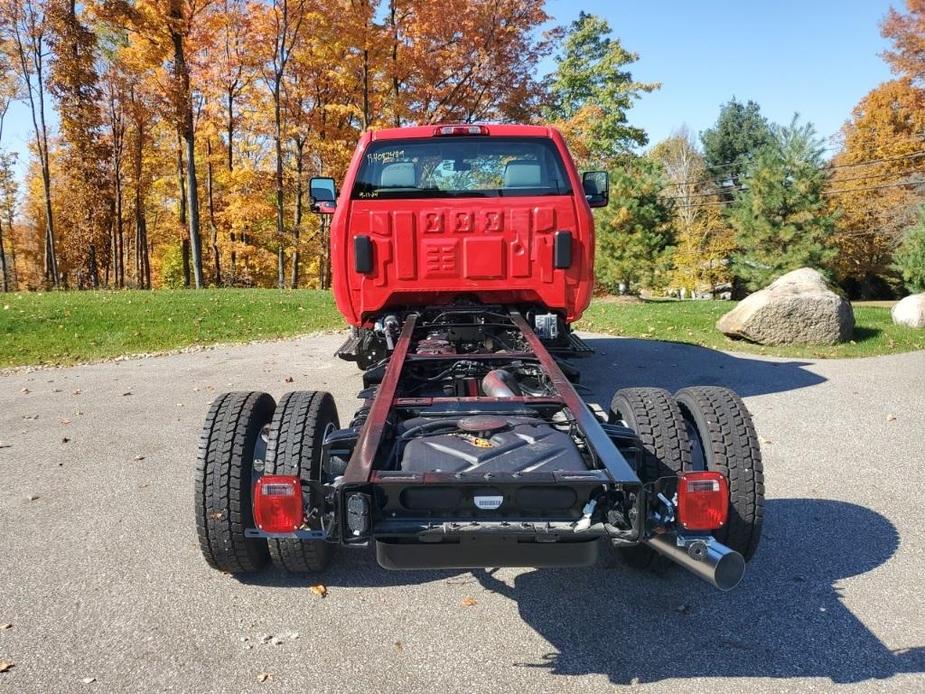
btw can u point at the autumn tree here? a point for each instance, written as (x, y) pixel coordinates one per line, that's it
(878, 179)
(906, 31)
(284, 21)
(592, 86)
(23, 27)
(74, 83)
(8, 91)
(9, 191)
(780, 216)
(739, 133)
(703, 239)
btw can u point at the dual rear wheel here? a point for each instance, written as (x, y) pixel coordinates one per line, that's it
(245, 433)
(700, 428)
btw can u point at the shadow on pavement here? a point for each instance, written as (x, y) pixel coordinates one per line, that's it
(785, 620)
(628, 362)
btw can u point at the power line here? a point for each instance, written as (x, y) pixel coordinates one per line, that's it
(720, 191)
(859, 189)
(913, 155)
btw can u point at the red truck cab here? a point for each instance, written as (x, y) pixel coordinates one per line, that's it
(493, 213)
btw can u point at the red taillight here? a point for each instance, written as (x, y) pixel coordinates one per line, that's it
(444, 130)
(703, 500)
(278, 503)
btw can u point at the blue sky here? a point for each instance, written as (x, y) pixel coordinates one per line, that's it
(815, 57)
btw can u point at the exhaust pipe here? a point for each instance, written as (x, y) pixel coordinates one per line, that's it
(710, 560)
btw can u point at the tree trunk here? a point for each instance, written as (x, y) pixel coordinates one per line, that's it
(3, 271)
(142, 268)
(213, 229)
(395, 82)
(185, 106)
(297, 222)
(181, 211)
(278, 142)
(230, 127)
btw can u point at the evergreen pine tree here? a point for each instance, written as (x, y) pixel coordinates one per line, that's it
(781, 219)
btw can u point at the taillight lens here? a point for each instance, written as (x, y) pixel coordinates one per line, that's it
(278, 503)
(703, 500)
(449, 130)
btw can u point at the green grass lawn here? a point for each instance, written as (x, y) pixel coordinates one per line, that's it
(72, 327)
(694, 321)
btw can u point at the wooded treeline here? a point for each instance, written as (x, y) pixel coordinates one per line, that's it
(188, 129)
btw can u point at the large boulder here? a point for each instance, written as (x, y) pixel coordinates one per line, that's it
(910, 311)
(798, 308)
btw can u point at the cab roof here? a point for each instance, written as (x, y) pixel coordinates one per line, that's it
(494, 129)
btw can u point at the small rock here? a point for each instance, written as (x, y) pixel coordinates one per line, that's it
(276, 641)
(65, 440)
(264, 676)
(32, 497)
(126, 393)
(4, 627)
(139, 457)
(5, 445)
(398, 646)
(319, 590)
(25, 391)
(289, 379)
(891, 418)
(88, 680)
(683, 609)
(6, 665)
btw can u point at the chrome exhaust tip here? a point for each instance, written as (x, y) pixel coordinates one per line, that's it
(703, 556)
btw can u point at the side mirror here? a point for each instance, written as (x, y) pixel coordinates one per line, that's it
(323, 193)
(597, 188)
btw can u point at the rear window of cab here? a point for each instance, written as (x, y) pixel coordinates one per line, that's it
(459, 167)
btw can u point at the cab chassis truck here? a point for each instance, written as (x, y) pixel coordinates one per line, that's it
(461, 255)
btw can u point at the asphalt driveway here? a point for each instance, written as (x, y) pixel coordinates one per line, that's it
(105, 590)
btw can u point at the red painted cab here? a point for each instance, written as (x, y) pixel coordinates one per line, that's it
(428, 214)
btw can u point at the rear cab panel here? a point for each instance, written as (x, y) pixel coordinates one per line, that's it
(435, 234)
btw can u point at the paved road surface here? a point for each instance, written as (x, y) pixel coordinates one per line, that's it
(101, 575)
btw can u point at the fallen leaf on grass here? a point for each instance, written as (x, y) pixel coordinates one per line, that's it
(264, 676)
(320, 590)
(469, 602)
(6, 665)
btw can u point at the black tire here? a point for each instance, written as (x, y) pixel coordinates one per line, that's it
(657, 420)
(724, 440)
(224, 481)
(296, 438)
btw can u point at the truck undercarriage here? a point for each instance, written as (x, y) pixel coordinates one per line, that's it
(472, 448)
